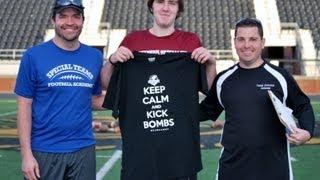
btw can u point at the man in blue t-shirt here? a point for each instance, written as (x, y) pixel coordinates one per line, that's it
(57, 85)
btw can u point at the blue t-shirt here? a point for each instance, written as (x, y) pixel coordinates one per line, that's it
(61, 84)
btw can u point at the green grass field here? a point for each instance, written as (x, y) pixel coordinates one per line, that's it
(305, 165)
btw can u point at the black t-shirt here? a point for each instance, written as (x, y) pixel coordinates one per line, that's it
(156, 97)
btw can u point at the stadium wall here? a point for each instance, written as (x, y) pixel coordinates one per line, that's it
(309, 85)
(7, 84)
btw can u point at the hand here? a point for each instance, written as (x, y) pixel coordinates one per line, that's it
(30, 168)
(202, 55)
(217, 124)
(299, 136)
(96, 125)
(122, 54)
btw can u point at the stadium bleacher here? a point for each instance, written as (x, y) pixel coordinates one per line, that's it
(306, 13)
(211, 19)
(23, 23)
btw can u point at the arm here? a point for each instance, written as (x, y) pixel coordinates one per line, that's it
(97, 101)
(122, 54)
(211, 72)
(30, 167)
(105, 74)
(302, 110)
(104, 78)
(203, 56)
(210, 107)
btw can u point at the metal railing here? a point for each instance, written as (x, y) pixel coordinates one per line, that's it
(11, 54)
(16, 54)
(222, 54)
(304, 67)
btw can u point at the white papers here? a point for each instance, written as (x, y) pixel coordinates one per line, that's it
(284, 113)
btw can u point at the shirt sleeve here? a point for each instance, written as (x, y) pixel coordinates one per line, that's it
(198, 41)
(97, 89)
(125, 41)
(195, 40)
(300, 104)
(26, 79)
(210, 108)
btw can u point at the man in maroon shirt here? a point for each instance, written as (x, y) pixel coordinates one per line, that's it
(160, 39)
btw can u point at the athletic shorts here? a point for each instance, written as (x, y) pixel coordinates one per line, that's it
(187, 178)
(79, 165)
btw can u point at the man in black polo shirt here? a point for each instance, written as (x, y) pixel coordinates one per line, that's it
(255, 146)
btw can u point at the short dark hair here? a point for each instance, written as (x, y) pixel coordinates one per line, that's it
(180, 7)
(249, 22)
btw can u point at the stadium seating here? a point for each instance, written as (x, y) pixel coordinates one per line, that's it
(211, 19)
(23, 23)
(306, 13)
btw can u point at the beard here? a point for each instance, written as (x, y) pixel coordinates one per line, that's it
(68, 37)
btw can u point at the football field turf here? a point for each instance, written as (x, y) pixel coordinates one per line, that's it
(305, 159)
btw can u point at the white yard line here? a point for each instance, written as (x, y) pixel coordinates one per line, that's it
(100, 156)
(8, 113)
(109, 164)
(293, 159)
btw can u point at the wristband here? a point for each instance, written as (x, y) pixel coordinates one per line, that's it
(112, 62)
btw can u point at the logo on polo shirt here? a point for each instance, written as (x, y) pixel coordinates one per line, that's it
(265, 86)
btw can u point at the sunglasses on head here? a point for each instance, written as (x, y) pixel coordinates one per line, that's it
(68, 2)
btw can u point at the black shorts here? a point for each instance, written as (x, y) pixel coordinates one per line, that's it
(187, 178)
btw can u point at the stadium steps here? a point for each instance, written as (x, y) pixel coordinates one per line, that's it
(306, 13)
